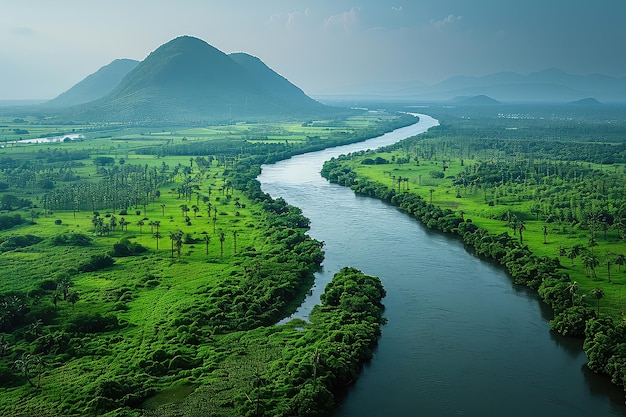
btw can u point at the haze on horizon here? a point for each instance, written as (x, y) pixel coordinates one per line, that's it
(47, 47)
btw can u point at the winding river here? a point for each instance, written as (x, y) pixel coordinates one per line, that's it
(461, 339)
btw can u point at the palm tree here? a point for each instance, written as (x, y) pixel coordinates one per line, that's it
(587, 262)
(162, 209)
(184, 209)
(432, 190)
(207, 240)
(179, 242)
(222, 239)
(619, 261)
(520, 228)
(140, 223)
(593, 263)
(598, 294)
(173, 239)
(113, 222)
(27, 365)
(235, 234)
(545, 234)
(574, 252)
(157, 235)
(72, 297)
(573, 290)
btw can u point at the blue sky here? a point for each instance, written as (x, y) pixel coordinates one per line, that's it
(319, 45)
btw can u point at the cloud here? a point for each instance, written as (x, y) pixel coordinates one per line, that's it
(290, 20)
(23, 31)
(440, 24)
(396, 9)
(348, 21)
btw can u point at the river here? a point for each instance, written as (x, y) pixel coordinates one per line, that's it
(461, 339)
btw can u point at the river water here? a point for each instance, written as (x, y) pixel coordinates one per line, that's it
(461, 339)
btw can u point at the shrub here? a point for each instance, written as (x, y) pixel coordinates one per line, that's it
(96, 262)
(127, 248)
(92, 323)
(13, 242)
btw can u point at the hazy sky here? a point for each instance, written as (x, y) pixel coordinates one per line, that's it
(47, 46)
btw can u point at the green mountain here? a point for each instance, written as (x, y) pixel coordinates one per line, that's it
(95, 85)
(188, 80)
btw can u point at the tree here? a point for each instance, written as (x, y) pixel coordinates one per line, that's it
(28, 365)
(573, 289)
(591, 262)
(235, 234)
(173, 239)
(162, 209)
(619, 261)
(222, 239)
(123, 223)
(545, 234)
(141, 223)
(113, 222)
(63, 286)
(179, 242)
(207, 240)
(157, 236)
(598, 294)
(185, 209)
(574, 252)
(72, 297)
(520, 228)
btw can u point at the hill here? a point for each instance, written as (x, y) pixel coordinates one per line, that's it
(549, 86)
(95, 85)
(480, 100)
(188, 80)
(589, 101)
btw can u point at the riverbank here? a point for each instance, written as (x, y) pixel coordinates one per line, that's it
(457, 327)
(407, 186)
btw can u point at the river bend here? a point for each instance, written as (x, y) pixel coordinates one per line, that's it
(461, 339)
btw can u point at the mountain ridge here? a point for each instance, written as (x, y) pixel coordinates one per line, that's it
(95, 85)
(188, 80)
(550, 85)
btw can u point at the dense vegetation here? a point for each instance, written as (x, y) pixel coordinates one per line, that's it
(552, 211)
(138, 281)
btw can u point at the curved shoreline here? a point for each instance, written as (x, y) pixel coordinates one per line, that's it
(424, 123)
(511, 255)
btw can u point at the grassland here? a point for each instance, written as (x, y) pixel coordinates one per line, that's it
(141, 279)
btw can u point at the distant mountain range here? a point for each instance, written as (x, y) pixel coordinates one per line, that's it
(549, 86)
(185, 80)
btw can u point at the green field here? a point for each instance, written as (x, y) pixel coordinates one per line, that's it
(541, 194)
(142, 271)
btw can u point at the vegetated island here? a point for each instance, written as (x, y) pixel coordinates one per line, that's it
(540, 190)
(143, 271)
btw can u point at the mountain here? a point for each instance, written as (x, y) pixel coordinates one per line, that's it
(480, 100)
(589, 101)
(95, 85)
(188, 80)
(552, 85)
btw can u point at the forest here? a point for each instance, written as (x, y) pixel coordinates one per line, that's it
(143, 273)
(539, 192)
